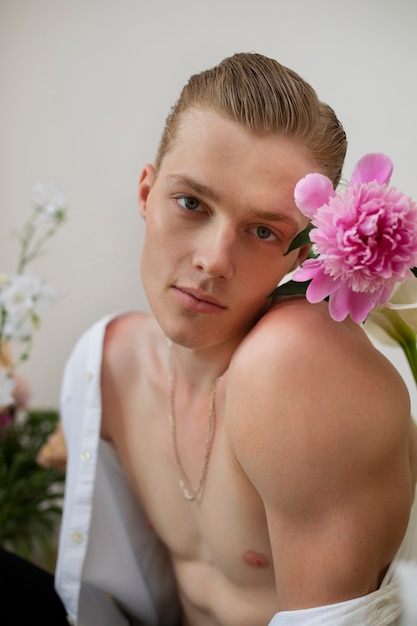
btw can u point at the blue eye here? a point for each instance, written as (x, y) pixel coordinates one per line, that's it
(189, 203)
(263, 232)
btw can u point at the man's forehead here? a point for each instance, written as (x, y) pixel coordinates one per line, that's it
(202, 128)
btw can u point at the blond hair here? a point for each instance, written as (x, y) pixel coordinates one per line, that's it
(263, 96)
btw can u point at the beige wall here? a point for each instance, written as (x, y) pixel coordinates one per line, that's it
(86, 85)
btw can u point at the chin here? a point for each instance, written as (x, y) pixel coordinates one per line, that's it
(192, 340)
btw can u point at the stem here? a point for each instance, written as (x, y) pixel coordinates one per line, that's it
(25, 238)
(2, 323)
(25, 351)
(410, 351)
(37, 246)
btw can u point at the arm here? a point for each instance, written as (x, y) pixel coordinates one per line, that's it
(322, 433)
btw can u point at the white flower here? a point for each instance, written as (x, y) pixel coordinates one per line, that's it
(19, 301)
(4, 280)
(6, 389)
(396, 321)
(49, 202)
(404, 301)
(23, 295)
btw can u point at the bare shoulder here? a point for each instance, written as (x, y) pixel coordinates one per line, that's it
(317, 394)
(297, 338)
(299, 343)
(126, 340)
(319, 421)
(294, 321)
(123, 333)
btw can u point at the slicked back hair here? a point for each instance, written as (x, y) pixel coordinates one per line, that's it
(265, 97)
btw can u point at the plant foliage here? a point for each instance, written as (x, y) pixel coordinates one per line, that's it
(30, 495)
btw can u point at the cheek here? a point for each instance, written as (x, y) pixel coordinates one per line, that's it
(156, 239)
(163, 232)
(263, 274)
(160, 250)
(151, 255)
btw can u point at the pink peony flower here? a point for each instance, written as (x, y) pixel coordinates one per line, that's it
(365, 238)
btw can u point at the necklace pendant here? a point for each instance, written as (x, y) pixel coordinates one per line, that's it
(187, 495)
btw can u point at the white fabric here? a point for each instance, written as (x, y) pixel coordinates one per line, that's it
(111, 564)
(106, 546)
(392, 605)
(380, 608)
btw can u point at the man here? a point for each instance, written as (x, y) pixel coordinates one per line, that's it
(267, 448)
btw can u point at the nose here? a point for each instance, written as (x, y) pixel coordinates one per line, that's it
(214, 251)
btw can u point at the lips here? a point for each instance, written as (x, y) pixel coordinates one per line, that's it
(197, 300)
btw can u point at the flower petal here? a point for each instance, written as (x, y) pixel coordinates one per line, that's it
(339, 304)
(372, 166)
(321, 283)
(404, 302)
(344, 301)
(360, 306)
(308, 270)
(382, 327)
(320, 288)
(405, 294)
(311, 192)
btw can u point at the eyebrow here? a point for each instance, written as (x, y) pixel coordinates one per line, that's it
(210, 194)
(199, 188)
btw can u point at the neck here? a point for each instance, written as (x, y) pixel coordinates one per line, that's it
(198, 368)
(190, 493)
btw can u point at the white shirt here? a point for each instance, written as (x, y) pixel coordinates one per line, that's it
(113, 571)
(106, 547)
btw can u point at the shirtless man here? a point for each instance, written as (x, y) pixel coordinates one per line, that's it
(270, 446)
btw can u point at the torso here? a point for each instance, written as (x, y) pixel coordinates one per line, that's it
(219, 545)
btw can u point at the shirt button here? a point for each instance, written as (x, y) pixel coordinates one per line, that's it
(77, 537)
(86, 455)
(70, 620)
(89, 376)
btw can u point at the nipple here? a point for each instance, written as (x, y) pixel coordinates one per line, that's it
(255, 559)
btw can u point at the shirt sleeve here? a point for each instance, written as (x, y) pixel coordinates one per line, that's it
(394, 604)
(380, 608)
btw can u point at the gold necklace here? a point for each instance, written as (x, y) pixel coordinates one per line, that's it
(182, 480)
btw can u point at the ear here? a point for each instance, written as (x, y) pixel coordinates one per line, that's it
(145, 184)
(301, 256)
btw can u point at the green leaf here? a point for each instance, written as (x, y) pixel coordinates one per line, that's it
(30, 495)
(302, 239)
(291, 288)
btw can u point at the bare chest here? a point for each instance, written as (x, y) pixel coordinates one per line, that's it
(225, 526)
